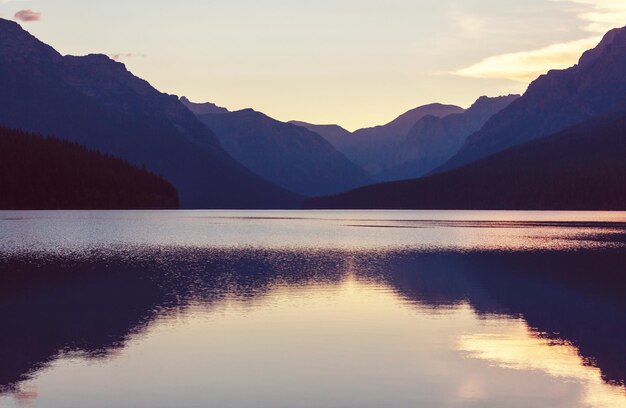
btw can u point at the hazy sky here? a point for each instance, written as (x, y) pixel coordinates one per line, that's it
(353, 62)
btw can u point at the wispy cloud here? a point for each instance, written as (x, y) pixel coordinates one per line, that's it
(596, 17)
(601, 15)
(124, 55)
(28, 15)
(528, 65)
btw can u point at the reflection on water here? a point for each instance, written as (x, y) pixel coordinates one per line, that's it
(518, 348)
(267, 309)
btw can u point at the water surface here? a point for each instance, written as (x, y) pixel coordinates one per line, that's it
(312, 309)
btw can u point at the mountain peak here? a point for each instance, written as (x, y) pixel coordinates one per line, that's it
(98, 64)
(613, 41)
(398, 128)
(433, 109)
(555, 101)
(18, 45)
(487, 103)
(202, 108)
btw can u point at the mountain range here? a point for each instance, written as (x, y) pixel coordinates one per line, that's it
(375, 148)
(581, 168)
(415, 143)
(96, 102)
(434, 140)
(559, 145)
(290, 156)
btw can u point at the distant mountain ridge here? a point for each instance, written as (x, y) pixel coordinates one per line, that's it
(290, 156)
(434, 140)
(581, 168)
(96, 102)
(374, 148)
(555, 101)
(404, 149)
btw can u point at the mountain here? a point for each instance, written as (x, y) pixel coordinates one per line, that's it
(202, 108)
(334, 134)
(290, 156)
(555, 101)
(434, 140)
(96, 102)
(38, 173)
(374, 148)
(581, 168)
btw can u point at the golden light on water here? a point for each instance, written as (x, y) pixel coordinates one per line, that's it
(518, 348)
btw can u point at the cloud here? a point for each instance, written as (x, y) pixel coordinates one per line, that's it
(601, 15)
(28, 15)
(124, 55)
(596, 16)
(26, 396)
(525, 66)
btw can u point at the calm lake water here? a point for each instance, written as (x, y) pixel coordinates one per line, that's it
(312, 309)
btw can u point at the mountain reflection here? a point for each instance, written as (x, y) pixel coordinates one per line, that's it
(575, 297)
(90, 305)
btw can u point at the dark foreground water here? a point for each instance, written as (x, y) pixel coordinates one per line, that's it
(312, 309)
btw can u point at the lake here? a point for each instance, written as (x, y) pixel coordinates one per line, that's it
(149, 309)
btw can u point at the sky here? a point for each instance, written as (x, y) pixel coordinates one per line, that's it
(356, 63)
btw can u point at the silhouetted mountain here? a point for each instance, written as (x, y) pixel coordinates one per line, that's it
(288, 155)
(375, 148)
(334, 134)
(38, 173)
(202, 108)
(433, 140)
(555, 101)
(96, 102)
(581, 168)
